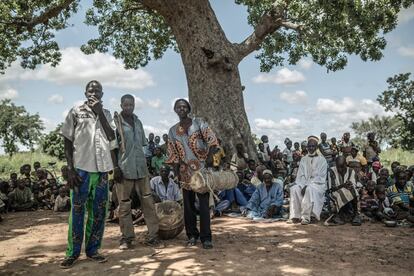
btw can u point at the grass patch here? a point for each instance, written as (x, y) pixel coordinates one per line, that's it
(391, 155)
(13, 164)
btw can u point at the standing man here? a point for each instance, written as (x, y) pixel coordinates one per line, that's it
(191, 145)
(372, 149)
(308, 192)
(132, 173)
(89, 141)
(345, 145)
(326, 150)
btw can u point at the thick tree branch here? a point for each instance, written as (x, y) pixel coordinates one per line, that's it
(44, 17)
(270, 22)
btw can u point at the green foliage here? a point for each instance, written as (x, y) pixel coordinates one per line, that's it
(53, 144)
(387, 129)
(399, 97)
(27, 30)
(12, 164)
(330, 30)
(403, 156)
(17, 126)
(132, 32)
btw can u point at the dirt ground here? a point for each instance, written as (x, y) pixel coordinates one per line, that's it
(34, 243)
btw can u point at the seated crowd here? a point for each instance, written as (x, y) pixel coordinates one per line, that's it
(305, 182)
(33, 190)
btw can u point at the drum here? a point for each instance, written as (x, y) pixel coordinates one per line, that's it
(204, 181)
(171, 219)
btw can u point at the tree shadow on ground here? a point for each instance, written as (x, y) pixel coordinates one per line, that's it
(241, 247)
(19, 223)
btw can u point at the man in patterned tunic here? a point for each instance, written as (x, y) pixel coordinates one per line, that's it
(191, 145)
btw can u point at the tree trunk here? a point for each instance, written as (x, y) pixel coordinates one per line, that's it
(211, 66)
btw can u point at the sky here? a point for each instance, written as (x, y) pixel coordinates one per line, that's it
(291, 101)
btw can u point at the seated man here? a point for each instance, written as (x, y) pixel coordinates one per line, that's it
(307, 195)
(21, 198)
(401, 196)
(62, 201)
(234, 196)
(342, 185)
(245, 186)
(240, 159)
(267, 200)
(164, 188)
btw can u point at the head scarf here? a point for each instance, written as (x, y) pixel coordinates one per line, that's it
(313, 137)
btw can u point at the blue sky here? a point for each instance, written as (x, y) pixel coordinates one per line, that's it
(279, 104)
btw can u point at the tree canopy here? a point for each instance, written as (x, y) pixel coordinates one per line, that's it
(399, 97)
(18, 127)
(136, 31)
(53, 144)
(386, 128)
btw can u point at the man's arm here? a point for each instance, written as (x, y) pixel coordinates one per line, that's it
(74, 180)
(96, 106)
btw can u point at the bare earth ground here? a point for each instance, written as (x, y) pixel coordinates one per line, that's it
(34, 243)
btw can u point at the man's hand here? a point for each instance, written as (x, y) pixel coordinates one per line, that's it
(348, 185)
(95, 105)
(117, 175)
(74, 179)
(271, 211)
(303, 190)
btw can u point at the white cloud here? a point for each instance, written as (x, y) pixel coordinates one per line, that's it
(48, 124)
(151, 129)
(279, 130)
(55, 99)
(348, 110)
(167, 123)
(298, 97)
(290, 123)
(283, 76)
(305, 64)
(8, 93)
(406, 15)
(406, 51)
(155, 103)
(76, 68)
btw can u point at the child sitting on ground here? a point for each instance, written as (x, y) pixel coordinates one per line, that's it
(62, 202)
(368, 201)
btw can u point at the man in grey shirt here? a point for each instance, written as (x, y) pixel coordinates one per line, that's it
(133, 168)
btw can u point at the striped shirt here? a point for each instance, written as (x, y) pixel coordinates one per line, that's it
(397, 195)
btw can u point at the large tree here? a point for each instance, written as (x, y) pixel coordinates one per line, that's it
(399, 97)
(138, 30)
(18, 127)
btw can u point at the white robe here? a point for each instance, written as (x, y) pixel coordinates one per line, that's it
(312, 173)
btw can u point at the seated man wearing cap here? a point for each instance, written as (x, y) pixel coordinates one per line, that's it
(307, 195)
(267, 200)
